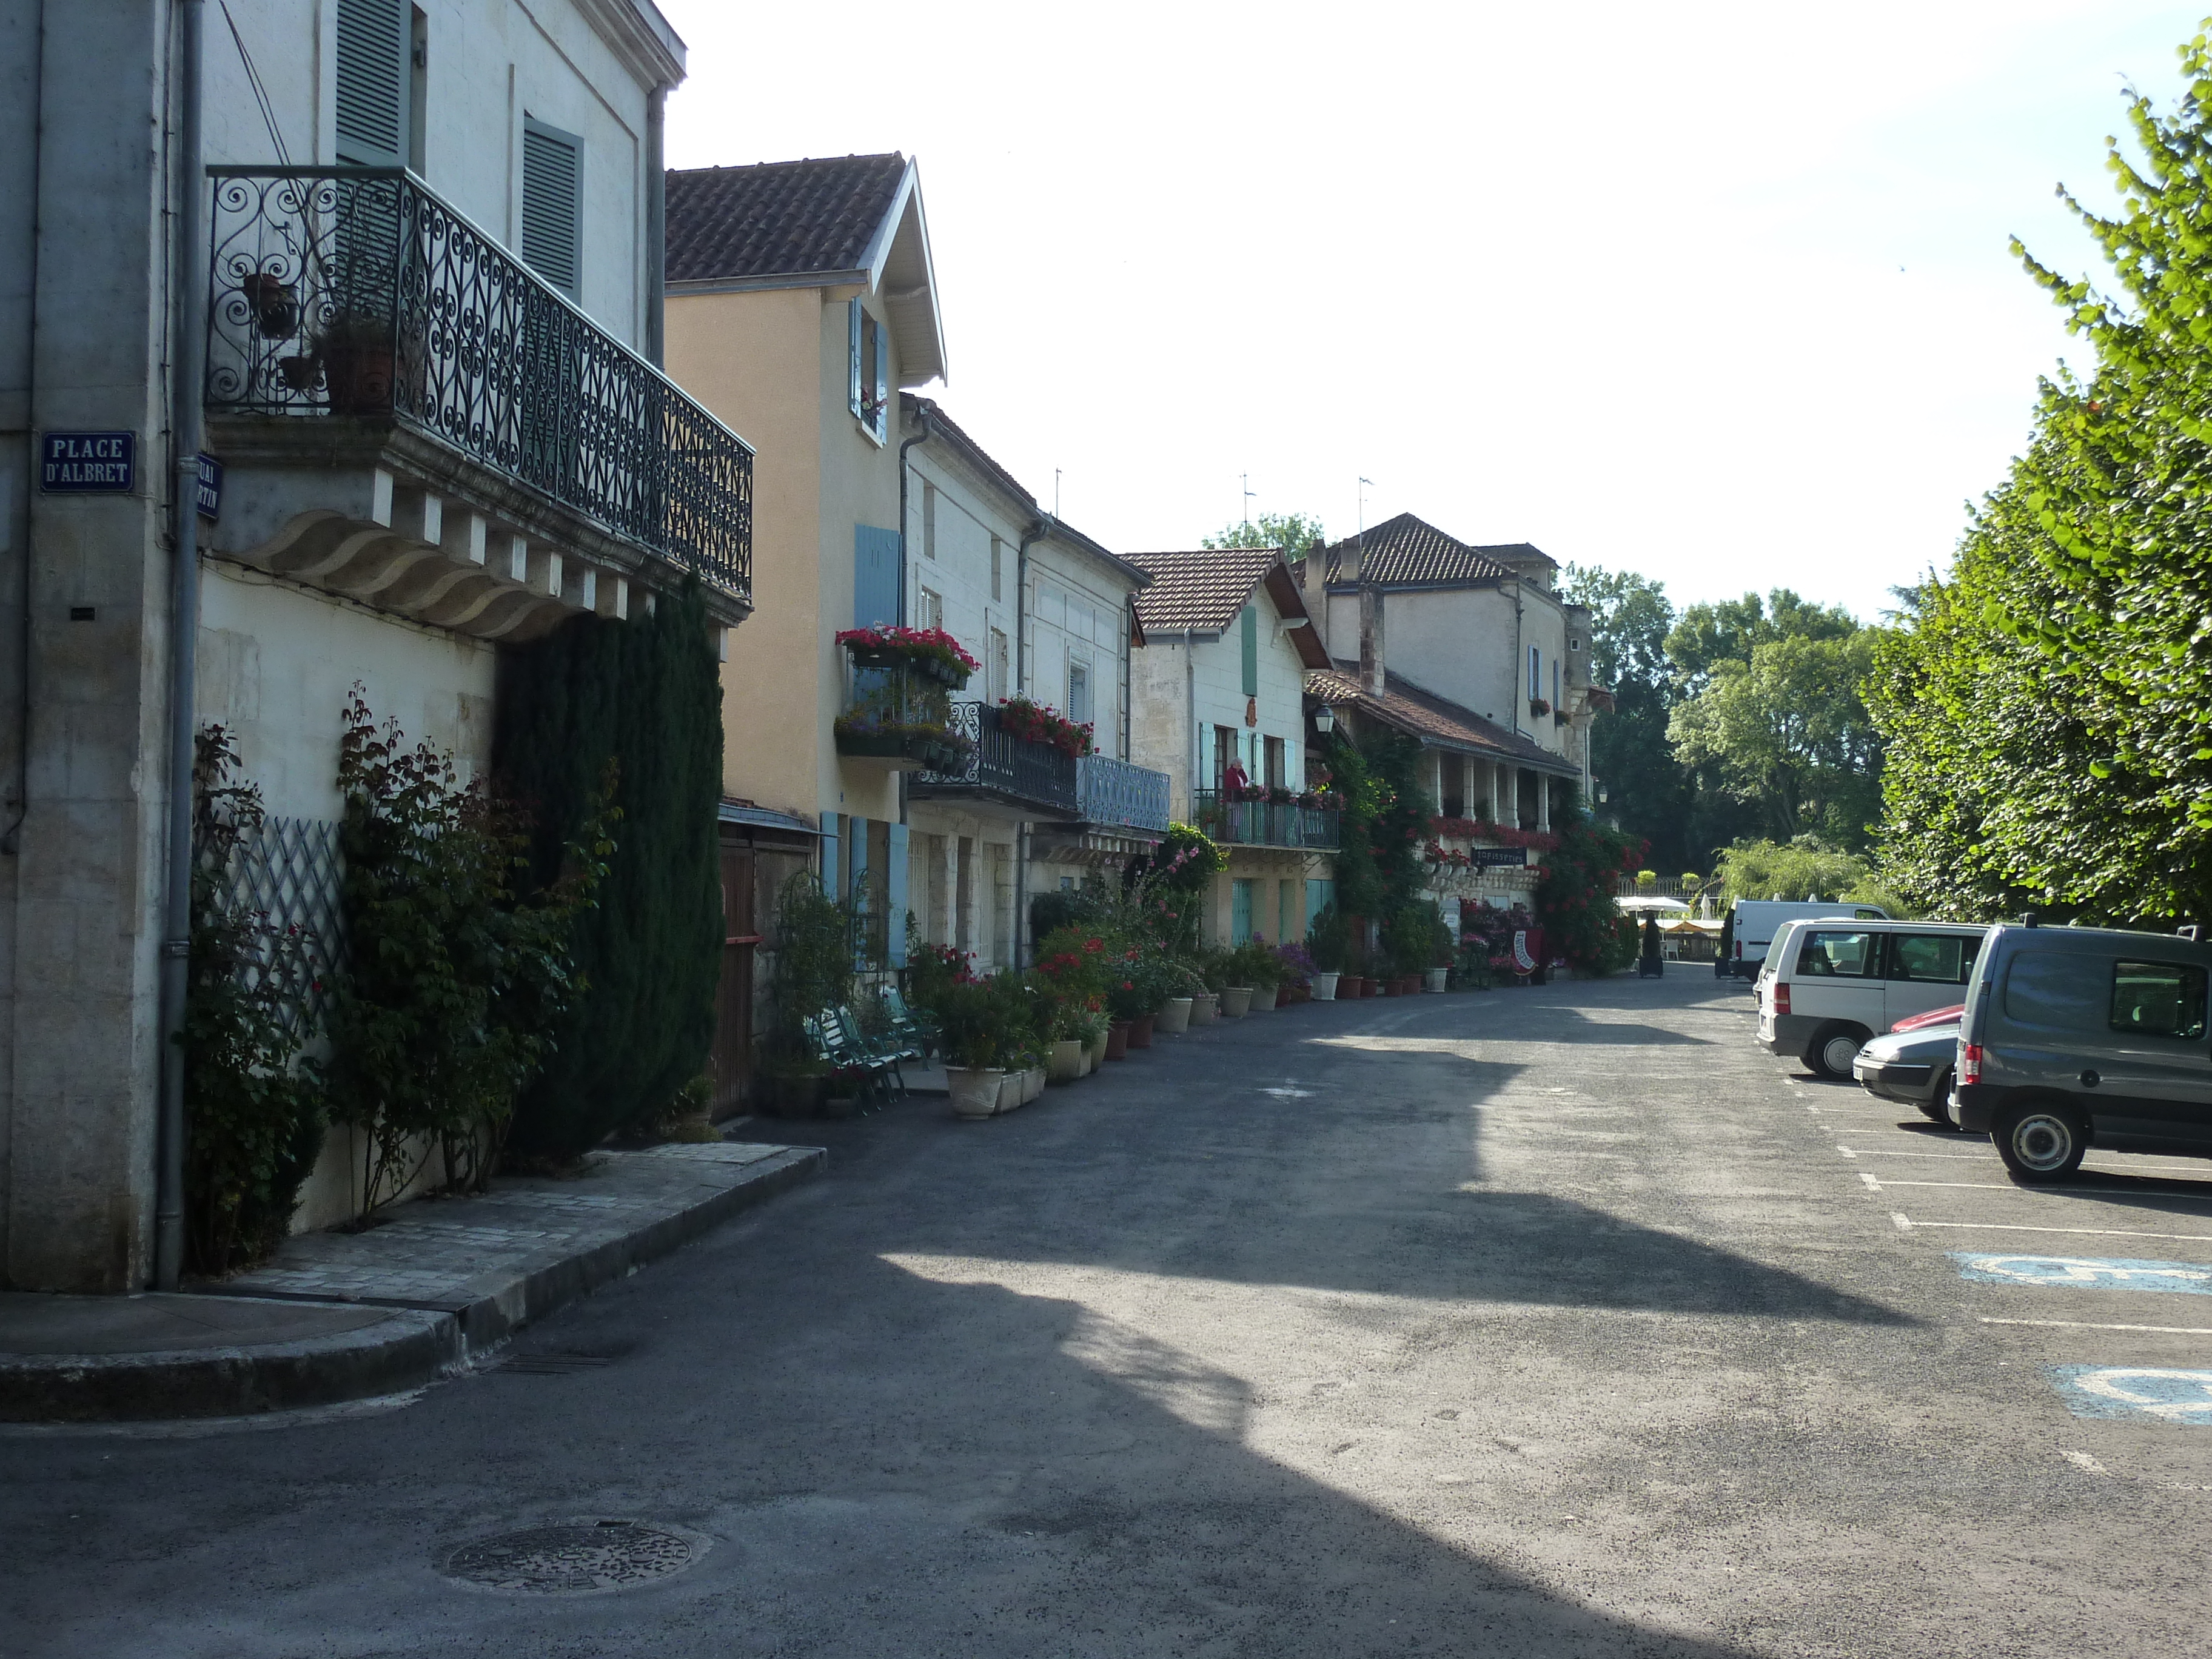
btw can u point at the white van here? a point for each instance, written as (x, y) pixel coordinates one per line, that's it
(1832, 981)
(1752, 923)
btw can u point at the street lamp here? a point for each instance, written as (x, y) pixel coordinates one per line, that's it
(1324, 720)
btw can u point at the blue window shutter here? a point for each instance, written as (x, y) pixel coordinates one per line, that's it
(552, 204)
(830, 875)
(1251, 626)
(854, 318)
(1240, 910)
(895, 889)
(371, 101)
(1320, 895)
(883, 421)
(875, 575)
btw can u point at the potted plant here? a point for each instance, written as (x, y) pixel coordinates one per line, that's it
(1117, 1039)
(968, 1019)
(1173, 1016)
(360, 363)
(274, 303)
(1098, 1035)
(1263, 968)
(796, 1083)
(1325, 943)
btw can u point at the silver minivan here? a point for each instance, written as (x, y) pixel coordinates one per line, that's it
(2076, 1036)
(1830, 983)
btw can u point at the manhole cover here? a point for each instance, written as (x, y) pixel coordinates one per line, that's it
(576, 1558)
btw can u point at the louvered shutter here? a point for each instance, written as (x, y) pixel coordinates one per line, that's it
(894, 891)
(552, 203)
(1251, 627)
(853, 318)
(372, 89)
(882, 424)
(875, 576)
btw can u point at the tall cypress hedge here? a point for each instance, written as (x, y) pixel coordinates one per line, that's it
(646, 695)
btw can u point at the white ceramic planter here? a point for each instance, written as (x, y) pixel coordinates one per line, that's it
(1324, 988)
(1067, 1062)
(1032, 1084)
(1010, 1090)
(974, 1090)
(1437, 978)
(1204, 1010)
(1097, 1054)
(1235, 1001)
(1264, 999)
(1174, 1016)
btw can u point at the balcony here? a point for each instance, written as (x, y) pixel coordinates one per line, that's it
(409, 416)
(1113, 795)
(1264, 824)
(1021, 779)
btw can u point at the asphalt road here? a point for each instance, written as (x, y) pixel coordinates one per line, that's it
(1549, 1321)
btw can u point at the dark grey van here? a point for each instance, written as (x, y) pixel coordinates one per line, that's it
(2076, 1036)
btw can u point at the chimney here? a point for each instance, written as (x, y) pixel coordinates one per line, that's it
(1370, 640)
(1312, 575)
(1353, 567)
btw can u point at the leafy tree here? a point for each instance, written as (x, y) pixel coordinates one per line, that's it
(1648, 791)
(1291, 531)
(1728, 630)
(1806, 868)
(1787, 731)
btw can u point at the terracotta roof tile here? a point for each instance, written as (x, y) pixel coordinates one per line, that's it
(1408, 552)
(778, 218)
(1434, 718)
(1201, 591)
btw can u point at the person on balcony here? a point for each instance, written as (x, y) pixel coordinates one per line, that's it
(1235, 782)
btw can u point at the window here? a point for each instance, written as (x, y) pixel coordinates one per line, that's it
(1224, 754)
(2158, 998)
(870, 354)
(2053, 988)
(1933, 958)
(1079, 691)
(1535, 680)
(1250, 623)
(1556, 703)
(931, 611)
(994, 676)
(552, 202)
(373, 83)
(929, 522)
(998, 559)
(1838, 955)
(1274, 763)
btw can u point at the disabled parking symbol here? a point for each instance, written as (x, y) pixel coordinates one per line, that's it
(2073, 1273)
(2168, 1397)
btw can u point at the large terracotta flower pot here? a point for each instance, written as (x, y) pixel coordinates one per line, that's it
(1065, 1064)
(1204, 1010)
(1140, 1031)
(1263, 999)
(1117, 1039)
(1409, 985)
(974, 1090)
(1173, 1017)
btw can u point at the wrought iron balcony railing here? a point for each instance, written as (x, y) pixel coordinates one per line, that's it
(1115, 793)
(1005, 767)
(1264, 824)
(356, 291)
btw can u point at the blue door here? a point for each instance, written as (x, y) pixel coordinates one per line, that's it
(1240, 911)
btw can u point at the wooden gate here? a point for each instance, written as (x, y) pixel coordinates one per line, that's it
(733, 998)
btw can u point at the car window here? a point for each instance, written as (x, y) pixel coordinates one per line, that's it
(1832, 953)
(1933, 958)
(2158, 998)
(2056, 989)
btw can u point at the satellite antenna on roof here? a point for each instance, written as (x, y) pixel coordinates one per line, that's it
(1055, 492)
(1244, 482)
(1365, 485)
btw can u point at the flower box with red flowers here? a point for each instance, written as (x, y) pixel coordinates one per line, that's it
(931, 650)
(1033, 722)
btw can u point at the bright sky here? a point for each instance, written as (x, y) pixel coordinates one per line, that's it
(1717, 292)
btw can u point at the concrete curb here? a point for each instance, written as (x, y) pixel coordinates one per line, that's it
(419, 1341)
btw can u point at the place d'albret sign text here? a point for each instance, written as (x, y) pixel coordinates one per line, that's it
(88, 463)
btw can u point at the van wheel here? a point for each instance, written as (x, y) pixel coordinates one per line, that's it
(2040, 1141)
(1937, 1106)
(1832, 1050)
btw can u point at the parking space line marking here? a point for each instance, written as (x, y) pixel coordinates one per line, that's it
(2096, 1232)
(1879, 1152)
(2086, 1325)
(1904, 1222)
(2026, 1191)
(1873, 1186)
(1847, 1152)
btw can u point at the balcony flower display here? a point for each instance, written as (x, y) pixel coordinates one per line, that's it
(931, 650)
(1497, 835)
(862, 730)
(1034, 722)
(1540, 706)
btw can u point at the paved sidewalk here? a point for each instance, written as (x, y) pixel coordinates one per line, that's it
(344, 1315)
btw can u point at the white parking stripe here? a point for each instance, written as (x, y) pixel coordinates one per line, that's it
(2097, 1232)
(2086, 1325)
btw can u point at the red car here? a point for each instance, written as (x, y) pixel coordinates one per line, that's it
(1950, 1016)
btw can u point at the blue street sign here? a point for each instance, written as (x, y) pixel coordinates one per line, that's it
(209, 493)
(88, 463)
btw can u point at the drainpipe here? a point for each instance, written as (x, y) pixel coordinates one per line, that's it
(183, 642)
(1513, 701)
(11, 839)
(921, 410)
(656, 228)
(1128, 673)
(1036, 532)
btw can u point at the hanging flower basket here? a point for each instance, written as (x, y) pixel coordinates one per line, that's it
(930, 651)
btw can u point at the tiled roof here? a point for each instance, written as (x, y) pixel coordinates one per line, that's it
(1434, 718)
(778, 218)
(1201, 590)
(1408, 552)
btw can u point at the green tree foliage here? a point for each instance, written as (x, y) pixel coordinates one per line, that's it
(1385, 822)
(1729, 630)
(1787, 731)
(646, 695)
(2050, 703)
(1649, 794)
(1291, 531)
(1576, 901)
(1799, 869)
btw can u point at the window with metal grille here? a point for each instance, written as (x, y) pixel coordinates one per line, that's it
(552, 203)
(371, 100)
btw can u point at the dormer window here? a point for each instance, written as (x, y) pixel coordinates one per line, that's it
(871, 379)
